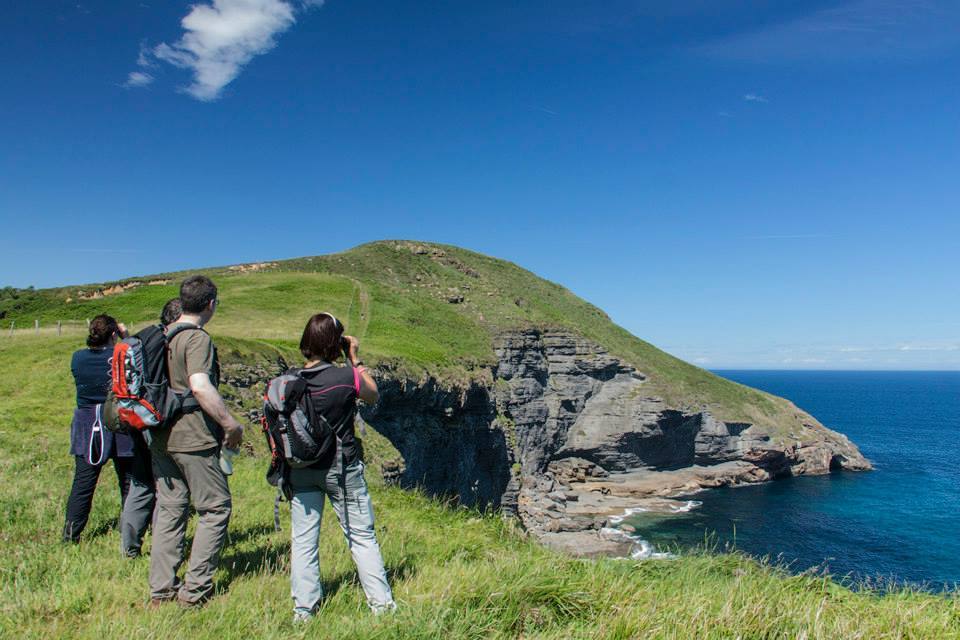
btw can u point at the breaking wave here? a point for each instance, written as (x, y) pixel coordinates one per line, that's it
(643, 549)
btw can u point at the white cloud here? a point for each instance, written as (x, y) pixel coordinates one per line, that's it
(138, 79)
(928, 347)
(906, 346)
(221, 37)
(754, 97)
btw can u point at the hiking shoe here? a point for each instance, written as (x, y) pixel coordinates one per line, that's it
(302, 616)
(191, 604)
(381, 609)
(156, 603)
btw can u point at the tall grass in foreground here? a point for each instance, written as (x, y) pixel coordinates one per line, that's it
(456, 573)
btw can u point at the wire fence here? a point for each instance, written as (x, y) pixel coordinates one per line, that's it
(48, 328)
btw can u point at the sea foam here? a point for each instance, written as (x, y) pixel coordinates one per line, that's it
(643, 549)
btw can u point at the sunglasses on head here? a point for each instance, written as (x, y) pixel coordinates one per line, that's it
(336, 322)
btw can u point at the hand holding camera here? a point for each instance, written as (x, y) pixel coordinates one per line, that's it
(350, 347)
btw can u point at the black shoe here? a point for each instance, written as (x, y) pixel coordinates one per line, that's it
(192, 604)
(67, 536)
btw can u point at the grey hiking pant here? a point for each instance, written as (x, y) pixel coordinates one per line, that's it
(180, 478)
(140, 498)
(310, 487)
(136, 516)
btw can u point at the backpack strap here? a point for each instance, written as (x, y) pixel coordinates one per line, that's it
(316, 369)
(180, 327)
(189, 404)
(276, 509)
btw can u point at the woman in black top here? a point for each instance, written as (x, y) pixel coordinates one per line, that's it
(334, 391)
(90, 442)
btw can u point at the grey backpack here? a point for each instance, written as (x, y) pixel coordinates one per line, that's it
(296, 433)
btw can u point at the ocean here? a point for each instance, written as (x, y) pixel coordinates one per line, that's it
(899, 523)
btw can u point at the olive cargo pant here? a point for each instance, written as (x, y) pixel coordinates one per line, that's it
(180, 478)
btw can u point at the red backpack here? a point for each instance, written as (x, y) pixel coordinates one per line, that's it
(141, 397)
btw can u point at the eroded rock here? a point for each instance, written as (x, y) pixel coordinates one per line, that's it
(566, 431)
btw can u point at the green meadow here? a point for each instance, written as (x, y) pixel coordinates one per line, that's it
(395, 296)
(456, 573)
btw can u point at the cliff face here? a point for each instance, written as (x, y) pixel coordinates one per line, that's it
(450, 439)
(563, 418)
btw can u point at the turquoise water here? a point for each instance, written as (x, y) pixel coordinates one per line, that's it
(900, 522)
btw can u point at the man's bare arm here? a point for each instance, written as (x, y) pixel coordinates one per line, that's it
(213, 405)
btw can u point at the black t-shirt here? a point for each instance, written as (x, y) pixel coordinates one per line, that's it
(334, 392)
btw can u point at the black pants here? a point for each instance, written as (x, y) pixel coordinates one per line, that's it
(85, 478)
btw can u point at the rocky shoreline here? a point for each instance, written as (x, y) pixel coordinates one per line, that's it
(565, 436)
(582, 516)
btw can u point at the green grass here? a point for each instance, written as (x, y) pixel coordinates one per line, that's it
(395, 299)
(456, 573)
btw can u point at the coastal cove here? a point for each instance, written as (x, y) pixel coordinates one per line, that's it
(898, 522)
(500, 395)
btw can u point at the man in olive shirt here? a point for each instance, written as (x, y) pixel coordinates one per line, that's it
(186, 459)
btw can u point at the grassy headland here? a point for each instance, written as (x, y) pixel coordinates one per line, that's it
(456, 573)
(396, 295)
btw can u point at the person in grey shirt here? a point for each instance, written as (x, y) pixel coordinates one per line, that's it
(186, 459)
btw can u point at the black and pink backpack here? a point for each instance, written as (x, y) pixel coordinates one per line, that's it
(295, 431)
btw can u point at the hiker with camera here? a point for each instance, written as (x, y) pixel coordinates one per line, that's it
(318, 404)
(91, 443)
(186, 456)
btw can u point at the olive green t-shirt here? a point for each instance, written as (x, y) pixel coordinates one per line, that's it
(188, 353)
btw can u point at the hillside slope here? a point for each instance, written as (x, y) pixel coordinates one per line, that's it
(498, 387)
(456, 573)
(402, 298)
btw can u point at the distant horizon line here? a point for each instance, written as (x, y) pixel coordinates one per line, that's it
(826, 370)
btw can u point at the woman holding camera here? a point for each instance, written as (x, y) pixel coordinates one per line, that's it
(91, 443)
(334, 391)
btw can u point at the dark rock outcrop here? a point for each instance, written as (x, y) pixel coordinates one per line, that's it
(562, 412)
(450, 440)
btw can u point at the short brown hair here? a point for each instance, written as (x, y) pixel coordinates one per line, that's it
(322, 338)
(102, 329)
(196, 294)
(171, 311)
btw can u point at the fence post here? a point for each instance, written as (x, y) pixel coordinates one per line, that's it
(36, 327)
(12, 322)
(59, 328)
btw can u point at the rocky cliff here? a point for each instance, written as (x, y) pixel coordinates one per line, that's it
(563, 433)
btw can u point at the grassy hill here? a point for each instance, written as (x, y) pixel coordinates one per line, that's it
(396, 296)
(457, 573)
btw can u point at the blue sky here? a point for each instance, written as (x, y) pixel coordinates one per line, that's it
(742, 183)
